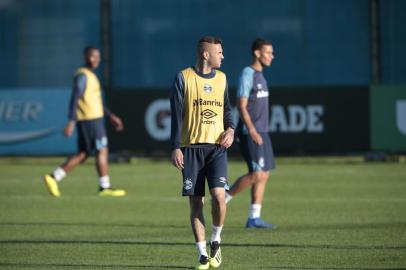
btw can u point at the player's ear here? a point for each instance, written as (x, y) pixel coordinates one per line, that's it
(206, 55)
(257, 53)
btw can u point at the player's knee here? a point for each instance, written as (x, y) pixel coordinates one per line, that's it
(102, 152)
(218, 199)
(196, 204)
(218, 194)
(102, 155)
(255, 176)
(259, 176)
(83, 156)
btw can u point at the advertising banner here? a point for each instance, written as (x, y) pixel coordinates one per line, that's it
(32, 122)
(302, 120)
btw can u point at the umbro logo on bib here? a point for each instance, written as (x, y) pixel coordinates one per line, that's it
(207, 114)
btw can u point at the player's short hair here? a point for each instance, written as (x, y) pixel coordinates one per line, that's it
(258, 44)
(207, 39)
(88, 49)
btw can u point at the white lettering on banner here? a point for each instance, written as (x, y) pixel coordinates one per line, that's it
(278, 119)
(19, 112)
(158, 119)
(298, 119)
(14, 111)
(401, 116)
(314, 114)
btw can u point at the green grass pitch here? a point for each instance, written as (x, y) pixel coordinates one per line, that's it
(331, 215)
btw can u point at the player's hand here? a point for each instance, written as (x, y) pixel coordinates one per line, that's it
(116, 122)
(256, 137)
(177, 159)
(227, 138)
(69, 128)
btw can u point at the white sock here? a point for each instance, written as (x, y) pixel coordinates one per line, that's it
(59, 174)
(215, 233)
(201, 248)
(228, 197)
(104, 181)
(255, 211)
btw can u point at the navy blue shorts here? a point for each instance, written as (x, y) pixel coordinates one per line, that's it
(257, 157)
(208, 162)
(91, 135)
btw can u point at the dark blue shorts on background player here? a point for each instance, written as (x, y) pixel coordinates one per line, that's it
(257, 157)
(91, 135)
(200, 163)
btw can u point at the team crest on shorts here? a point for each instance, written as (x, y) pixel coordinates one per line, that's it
(187, 184)
(223, 180)
(261, 162)
(101, 143)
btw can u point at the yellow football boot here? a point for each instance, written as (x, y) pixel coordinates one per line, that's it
(111, 192)
(52, 185)
(203, 263)
(215, 254)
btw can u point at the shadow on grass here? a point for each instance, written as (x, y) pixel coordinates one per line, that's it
(342, 226)
(242, 245)
(296, 228)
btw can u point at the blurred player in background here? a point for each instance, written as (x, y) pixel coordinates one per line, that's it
(87, 112)
(252, 131)
(202, 130)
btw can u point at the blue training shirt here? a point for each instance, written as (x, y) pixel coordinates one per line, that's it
(252, 85)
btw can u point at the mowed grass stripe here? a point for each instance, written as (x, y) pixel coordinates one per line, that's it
(331, 215)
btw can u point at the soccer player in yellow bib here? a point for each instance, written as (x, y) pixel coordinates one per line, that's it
(87, 112)
(202, 130)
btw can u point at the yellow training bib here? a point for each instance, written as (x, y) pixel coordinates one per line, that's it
(203, 108)
(90, 105)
